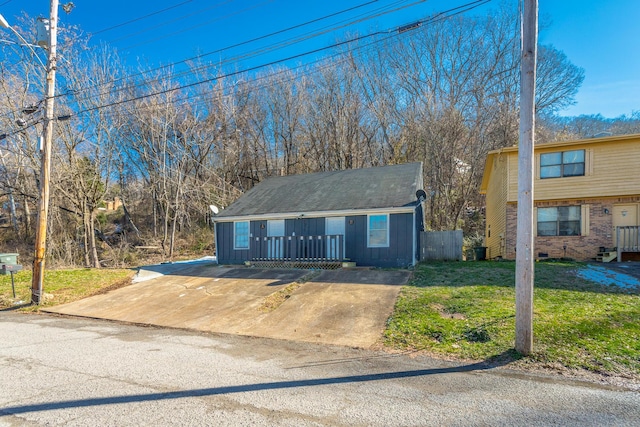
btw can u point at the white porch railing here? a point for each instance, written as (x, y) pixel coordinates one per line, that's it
(298, 248)
(627, 238)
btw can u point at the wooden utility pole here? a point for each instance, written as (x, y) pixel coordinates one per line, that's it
(525, 238)
(45, 172)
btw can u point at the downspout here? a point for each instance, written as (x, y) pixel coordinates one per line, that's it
(421, 196)
(415, 241)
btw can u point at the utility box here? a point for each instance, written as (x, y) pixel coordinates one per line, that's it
(9, 258)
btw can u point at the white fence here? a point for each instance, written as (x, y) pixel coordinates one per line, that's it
(298, 248)
(628, 238)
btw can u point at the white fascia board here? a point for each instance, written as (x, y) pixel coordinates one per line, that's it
(317, 214)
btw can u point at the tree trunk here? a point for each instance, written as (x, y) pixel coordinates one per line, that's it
(27, 218)
(155, 214)
(14, 216)
(95, 261)
(175, 221)
(85, 226)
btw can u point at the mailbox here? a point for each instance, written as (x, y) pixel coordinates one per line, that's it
(9, 268)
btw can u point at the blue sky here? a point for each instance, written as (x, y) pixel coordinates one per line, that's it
(595, 35)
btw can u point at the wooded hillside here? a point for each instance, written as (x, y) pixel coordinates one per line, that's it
(169, 142)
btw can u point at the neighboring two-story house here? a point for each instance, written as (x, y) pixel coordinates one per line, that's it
(583, 191)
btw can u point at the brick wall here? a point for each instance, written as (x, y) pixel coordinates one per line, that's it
(576, 247)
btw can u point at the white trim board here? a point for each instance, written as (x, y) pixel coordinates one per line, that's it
(317, 214)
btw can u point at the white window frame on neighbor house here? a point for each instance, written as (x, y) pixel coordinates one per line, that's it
(236, 235)
(385, 244)
(553, 165)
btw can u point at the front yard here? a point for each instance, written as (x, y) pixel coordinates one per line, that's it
(467, 310)
(62, 286)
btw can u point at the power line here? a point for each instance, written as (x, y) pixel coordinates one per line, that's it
(104, 30)
(180, 18)
(187, 72)
(378, 12)
(399, 30)
(203, 55)
(184, 30)
(460, 9)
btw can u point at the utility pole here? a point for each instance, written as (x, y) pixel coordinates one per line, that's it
(525, 238)
(45, 172)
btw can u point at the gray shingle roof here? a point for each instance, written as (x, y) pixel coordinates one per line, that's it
(369, 188)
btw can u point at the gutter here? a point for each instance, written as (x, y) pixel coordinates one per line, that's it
(318, 214)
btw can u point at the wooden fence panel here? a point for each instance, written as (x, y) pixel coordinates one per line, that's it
(441, 245)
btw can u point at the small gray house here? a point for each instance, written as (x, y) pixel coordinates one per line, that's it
(369, 216)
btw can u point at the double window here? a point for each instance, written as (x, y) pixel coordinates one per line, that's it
(559, 221)
(378, 231)
(562, 164)
(241, 235)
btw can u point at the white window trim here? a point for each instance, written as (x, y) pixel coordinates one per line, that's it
(236, 248)
(368, 231)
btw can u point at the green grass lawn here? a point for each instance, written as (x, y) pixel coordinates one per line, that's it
(467, 310)
(62, 286)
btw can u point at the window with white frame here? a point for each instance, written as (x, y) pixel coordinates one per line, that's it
(559, 221)
(378, 231)
(241, 235)
(562, 164)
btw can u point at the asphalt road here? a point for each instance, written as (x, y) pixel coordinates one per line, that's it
(79, 372)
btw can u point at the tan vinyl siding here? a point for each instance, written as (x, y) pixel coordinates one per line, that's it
(610, 180)
(610, 171)
(496, 215)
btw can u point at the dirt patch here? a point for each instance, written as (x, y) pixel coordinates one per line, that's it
(445, 314)
(119, 284)
(276, 299)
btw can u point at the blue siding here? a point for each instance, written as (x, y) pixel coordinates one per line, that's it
(305, 226)
(400, 250)
(398, 254)
(225, 252)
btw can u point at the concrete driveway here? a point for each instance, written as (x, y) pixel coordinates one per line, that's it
(343, 307)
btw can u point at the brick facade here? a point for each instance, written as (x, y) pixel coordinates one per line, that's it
(601, 233)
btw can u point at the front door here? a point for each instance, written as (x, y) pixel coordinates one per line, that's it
(275, 229)
(624, 215)
(334, 226)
